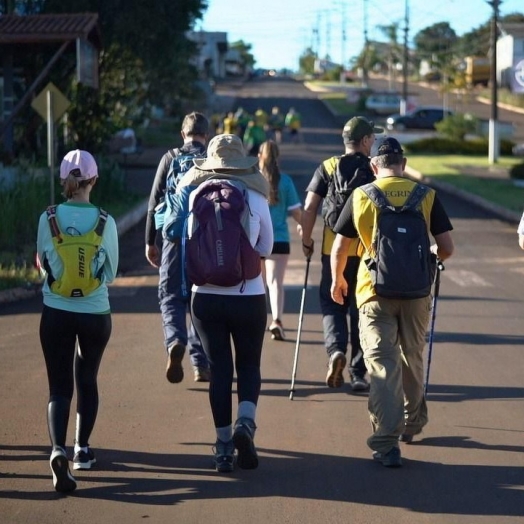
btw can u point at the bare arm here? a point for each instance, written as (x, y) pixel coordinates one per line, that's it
(309, 216)
(296, 213)
(339, 251)
(521, 241)
(445, 246)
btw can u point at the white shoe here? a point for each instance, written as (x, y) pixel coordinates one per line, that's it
(63, 481)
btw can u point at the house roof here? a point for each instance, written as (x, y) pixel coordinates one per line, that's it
(514, 29)
(31, 29)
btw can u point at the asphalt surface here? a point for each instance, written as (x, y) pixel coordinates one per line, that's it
(153, 439)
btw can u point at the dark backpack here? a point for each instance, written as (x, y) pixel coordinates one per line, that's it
(402, 266)
(218, 249)
(352, 171)
(168, 212)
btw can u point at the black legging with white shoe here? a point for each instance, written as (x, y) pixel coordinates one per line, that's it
(73, 345)
(218, 320)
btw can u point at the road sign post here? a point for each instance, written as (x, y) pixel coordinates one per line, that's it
(51, 104)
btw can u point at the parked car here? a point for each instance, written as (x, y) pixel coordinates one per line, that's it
(383, 103)
(421, 118)
(518, 149)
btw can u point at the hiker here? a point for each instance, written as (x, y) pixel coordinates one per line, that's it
(358, 136)
(392, 330)
(253, 137)
(293, 121)
(276, 124)
(75, 326)
(229, 124)
(520, 231)
(283, 200)
(236, 313)
(174, 300)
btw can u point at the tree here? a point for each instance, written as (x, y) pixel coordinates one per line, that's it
(248, 60)
(477, 42)
(306, 62)
(146, 59)
(435, 43)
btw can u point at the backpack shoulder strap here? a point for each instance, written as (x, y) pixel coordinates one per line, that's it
(101, 224)
(53, 223)
(376, 196)
(416, 196)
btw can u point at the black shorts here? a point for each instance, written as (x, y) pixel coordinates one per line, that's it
(281, 248)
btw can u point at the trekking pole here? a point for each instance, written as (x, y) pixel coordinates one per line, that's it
(299, 330)
(440, 267)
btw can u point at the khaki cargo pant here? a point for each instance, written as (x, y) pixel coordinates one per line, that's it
(393, 336)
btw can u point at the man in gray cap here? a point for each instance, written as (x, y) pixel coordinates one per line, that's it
(332, 183)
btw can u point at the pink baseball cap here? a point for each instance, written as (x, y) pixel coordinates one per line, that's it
(79, 163)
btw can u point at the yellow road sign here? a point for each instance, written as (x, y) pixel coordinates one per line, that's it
(60, 102)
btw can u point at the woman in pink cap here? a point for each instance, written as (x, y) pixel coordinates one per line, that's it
(77, 248)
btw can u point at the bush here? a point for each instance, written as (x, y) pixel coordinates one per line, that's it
(23, 203)
(457, 126)
(517, 171)
(448, 146)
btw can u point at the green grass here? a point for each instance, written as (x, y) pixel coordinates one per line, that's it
(453, 170)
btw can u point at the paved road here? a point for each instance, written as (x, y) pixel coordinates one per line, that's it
(153, 439)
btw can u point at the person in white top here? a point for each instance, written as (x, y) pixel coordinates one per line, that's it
(237, 313)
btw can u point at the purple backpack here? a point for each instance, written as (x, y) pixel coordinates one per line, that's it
(218, 249)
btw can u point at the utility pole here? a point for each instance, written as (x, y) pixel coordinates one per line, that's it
(494, 143)
(366, 47)
(405, 56)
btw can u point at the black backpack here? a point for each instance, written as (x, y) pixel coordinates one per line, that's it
(402, 266)
(352, 171)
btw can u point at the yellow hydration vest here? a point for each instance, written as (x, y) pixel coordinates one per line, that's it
(76, 253)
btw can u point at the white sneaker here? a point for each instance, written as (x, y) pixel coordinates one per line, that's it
(63, 481)
(277, 331)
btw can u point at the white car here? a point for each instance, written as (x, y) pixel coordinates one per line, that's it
(383, 103)
(518, 150)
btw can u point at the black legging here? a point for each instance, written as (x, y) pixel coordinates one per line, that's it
(59, 332)
(217, 319)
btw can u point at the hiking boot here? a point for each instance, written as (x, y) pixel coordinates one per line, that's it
(243, 435)
(391, 459)
(407, 438)
(277, 331)
(202, 374)
(174, 370)
(63, 481)
(224, 456)
(83, 460)
(336, 365)
(358, 383)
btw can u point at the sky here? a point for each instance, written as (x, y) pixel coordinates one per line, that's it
(280, 30)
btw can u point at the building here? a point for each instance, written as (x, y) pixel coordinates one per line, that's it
(510, 57)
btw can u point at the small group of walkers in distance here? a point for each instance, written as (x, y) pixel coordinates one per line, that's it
(226, 326)
(255, 129)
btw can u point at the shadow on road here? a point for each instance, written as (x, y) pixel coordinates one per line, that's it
(168, 480)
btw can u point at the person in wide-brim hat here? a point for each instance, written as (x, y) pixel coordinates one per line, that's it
(225, 152)
(227, 158)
